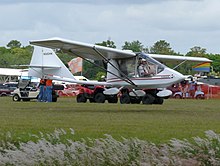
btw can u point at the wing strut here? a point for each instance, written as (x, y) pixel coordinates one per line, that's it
(98, 66)
(127, 79)
(179, 64)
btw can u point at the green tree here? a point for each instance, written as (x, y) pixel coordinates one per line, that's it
(162, 47)
(99, 75)
(21, 56)
(196, 51)
(14, 44)
(135, 46)
(107, 43)
(215, 61)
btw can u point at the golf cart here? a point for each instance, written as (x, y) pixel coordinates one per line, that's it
(28, 90)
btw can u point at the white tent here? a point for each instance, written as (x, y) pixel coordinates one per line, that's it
(11, 75)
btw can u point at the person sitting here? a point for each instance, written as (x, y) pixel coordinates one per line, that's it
(143, 68)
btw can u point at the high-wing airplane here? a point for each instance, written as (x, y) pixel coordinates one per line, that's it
(123, 69)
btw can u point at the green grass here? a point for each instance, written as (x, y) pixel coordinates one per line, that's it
(155, 123)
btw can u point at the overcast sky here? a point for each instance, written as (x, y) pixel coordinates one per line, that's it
(182, 23)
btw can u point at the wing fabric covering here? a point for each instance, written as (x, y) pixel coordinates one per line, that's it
(45, 62)
(166, 58)
(84, 50)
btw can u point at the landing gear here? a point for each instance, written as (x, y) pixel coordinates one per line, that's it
(148, 99)
(125, 99)
(113, 99)
(158, 100)
(99, 98)
(135, 100)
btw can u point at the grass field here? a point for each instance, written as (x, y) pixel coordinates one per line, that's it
(155, 123)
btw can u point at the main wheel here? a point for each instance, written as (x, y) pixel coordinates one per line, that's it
(80, 98)
(16, 98)
(135, 100)
(148, 99)
(158, 100)
(99, 98)
(125, 99)
(113, 99)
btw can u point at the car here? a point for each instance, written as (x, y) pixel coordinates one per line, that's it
(7, 88)
(5, 91)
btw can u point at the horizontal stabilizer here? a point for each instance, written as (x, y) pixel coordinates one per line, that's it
(40, 66)
(76, 81)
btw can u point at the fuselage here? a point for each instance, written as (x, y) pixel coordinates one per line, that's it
(124, 73)
(161, 80)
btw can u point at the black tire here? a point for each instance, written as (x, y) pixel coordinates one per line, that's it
(200, 97)
(113, 99)
(16, 98)
(3, 95)
(135, 100)
(99, 98)
(80, 98)
(158, 100)
(125, 99)
(148, 99)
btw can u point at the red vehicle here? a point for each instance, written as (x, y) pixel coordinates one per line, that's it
(69, 90)
(7, 88)
(94, 94)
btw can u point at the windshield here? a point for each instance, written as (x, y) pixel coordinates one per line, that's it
(140, 66)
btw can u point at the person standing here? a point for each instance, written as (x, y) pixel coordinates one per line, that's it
(49, 90)
(42, 90)
(192, 89)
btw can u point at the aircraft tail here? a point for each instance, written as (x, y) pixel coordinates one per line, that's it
(45, 62)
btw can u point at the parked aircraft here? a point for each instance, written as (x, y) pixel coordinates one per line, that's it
(123, 69)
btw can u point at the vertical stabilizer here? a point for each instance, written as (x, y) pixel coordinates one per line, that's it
(44, 62)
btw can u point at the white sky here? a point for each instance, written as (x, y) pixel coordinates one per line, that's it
(182, 23)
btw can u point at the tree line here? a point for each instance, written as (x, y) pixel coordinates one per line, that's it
(14, 54)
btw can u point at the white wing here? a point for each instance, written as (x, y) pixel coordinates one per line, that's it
(90, 51)
(83, 50)
(178, 58)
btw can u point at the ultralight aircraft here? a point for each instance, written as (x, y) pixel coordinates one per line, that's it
(123, 75)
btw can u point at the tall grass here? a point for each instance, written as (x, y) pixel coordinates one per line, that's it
(49, 149)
